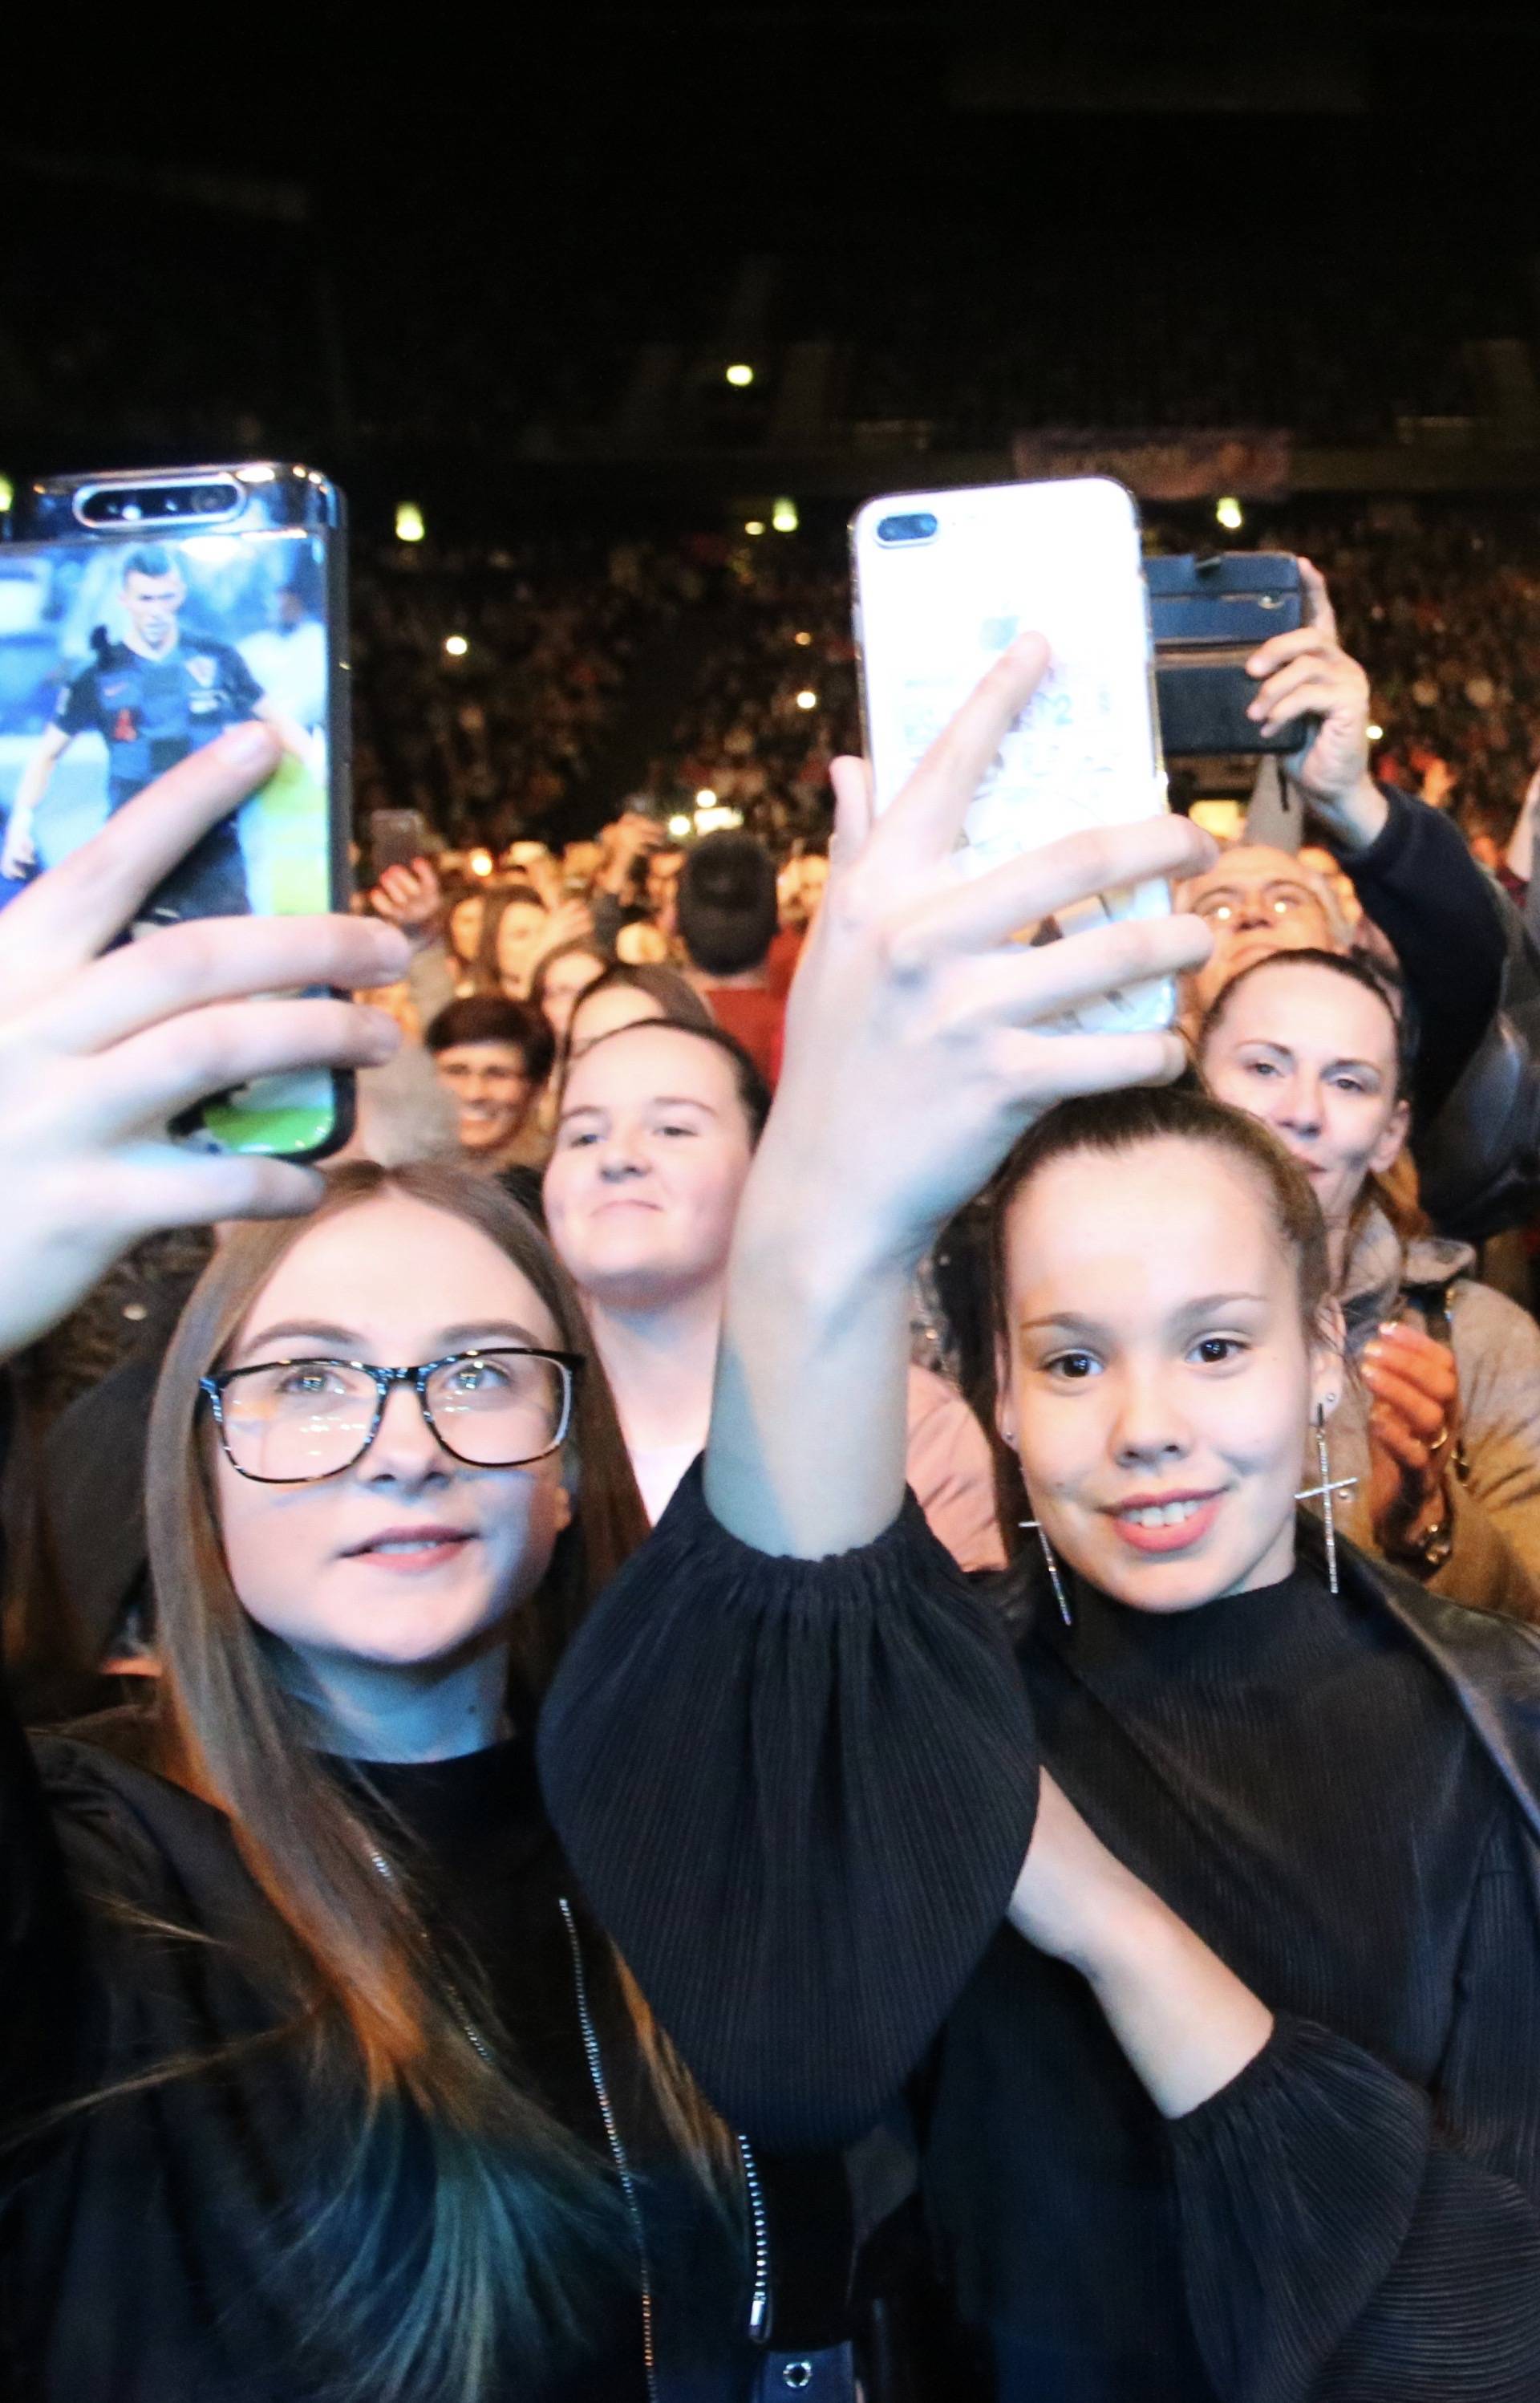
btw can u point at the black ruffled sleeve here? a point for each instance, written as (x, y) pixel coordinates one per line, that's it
(798, 1793)
(1348, 2238)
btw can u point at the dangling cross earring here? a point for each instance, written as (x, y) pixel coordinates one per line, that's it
(1052, 1566)
(1326, 1488)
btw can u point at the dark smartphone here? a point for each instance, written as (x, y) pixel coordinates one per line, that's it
(396, 838)
(1207, 616)
(141, 614)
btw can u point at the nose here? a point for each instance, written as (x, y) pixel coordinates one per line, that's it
(405, 1452)
(1149, 1430)
(621, 1158)
(1298, 1105)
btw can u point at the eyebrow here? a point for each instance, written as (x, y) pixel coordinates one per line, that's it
(1271, 1043)
(473, 1333)
(1073, 1321)
(653, 1101)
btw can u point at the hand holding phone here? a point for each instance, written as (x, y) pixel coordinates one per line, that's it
(100, 1047)
(945, 582)
(1306, 680)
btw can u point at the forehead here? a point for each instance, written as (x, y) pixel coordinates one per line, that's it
(1250, 864)
(1302, 1007)
(618, 1005)
(398, 1271)
(144, 586)
(578, 967)
(1128, 1238)
(646, 1059)
(484, 1055)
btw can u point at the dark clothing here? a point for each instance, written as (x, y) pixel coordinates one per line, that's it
(143, 2238)
(839, 1755)
(1419, 884)
(151, 714)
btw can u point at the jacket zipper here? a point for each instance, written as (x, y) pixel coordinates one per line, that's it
(468, 2028)
(759, 2304)
(617, 2149)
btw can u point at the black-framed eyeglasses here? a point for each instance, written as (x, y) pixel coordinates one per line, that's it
(292, 1421)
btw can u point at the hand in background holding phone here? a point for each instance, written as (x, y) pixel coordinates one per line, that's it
(1309, 672)
(100, 1049)
(411, 899)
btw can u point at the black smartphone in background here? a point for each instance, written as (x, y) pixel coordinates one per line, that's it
(396, 838)
(1207, 616)
(143, 613)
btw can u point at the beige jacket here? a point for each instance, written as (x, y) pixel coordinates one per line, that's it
(1495, 1562)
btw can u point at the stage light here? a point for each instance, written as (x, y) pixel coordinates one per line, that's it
(408, 522)
(705, 799)
(680, 825)
(456, 645)
(783, 517)
(1229, 514)
(754, 525)
(802, 641)
(1375, 733)
(739, 375)
(713, 821)
(8, 492)
(480, 863)
(807, 700)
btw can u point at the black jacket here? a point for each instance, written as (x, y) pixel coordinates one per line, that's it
(144, 2237)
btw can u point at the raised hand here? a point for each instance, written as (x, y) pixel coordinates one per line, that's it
(1415, 1410)
(916, 1053)
(1307, 673)
(411, 897)
(100, 1048)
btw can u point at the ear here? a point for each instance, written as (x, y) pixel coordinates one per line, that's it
(1328, 1359)
(1005, 1406)
(1387, 1151)
(563, 1504)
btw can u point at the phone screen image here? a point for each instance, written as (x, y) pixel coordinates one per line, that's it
(118, 659)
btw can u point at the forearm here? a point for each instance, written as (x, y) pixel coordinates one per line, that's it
(808, 1424)
(1186, 2023)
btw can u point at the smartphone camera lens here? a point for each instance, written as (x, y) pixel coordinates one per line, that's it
(211, 500)
(918, 527)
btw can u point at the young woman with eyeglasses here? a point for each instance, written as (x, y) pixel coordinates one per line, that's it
(1219, 2037)
(335, 2089)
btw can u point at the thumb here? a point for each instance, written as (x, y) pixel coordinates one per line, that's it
(855, 809)
(1319, 611)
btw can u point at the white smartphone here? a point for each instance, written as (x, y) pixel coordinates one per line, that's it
(944, 582)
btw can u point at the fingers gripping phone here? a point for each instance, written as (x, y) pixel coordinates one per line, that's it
(944, 583)
(141, 614)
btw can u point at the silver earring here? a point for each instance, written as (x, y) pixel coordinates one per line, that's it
(1052, 1566)
(1328, 1486)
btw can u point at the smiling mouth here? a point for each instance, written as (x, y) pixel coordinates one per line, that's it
(1168, 1522)
(409, 1543)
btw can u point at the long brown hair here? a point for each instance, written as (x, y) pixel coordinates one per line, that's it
(519, 2221)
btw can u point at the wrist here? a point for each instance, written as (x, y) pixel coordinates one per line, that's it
(1357, 819)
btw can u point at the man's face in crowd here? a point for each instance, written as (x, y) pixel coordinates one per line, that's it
(664, 869)
(152, 604)
(1255, 900)
(493, 1088)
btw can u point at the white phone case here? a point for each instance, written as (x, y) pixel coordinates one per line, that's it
(933, 613)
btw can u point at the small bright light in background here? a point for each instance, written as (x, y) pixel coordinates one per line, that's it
(8, 492)
(783, 517)
(807, 700)
(408, 522)
(705, 799)
(802, 641)
(260, 474)
(1230, 514)
(1375, 733)
(480, 863)
(680, 825)
(754, 525)
(713, 821)
(740, 374)
(456, 645)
